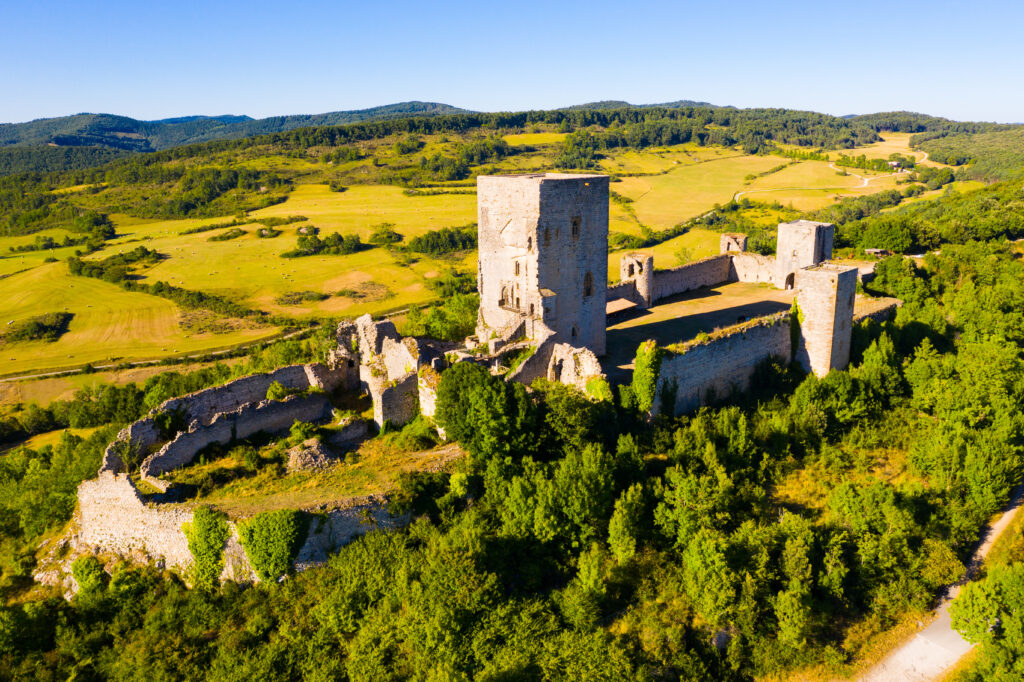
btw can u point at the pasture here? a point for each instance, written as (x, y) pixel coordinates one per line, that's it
(109, 324)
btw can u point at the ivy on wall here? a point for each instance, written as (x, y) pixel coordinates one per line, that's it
(206, 537)
(272, 540)
(647, 367)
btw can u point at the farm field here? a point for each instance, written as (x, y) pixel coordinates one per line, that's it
(109, 324)
(662, 201)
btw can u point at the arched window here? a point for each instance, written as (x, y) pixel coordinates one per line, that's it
(588, 285)
(529, 243)
(575, 332)
(576, 222)
(547, 236)
(517, 267)
(630, 269)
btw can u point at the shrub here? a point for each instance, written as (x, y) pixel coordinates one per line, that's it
(445, 240)
(206, 537)
(48, 327)
(277, 391)
(233, 233)
(272, 540)
(384, 234)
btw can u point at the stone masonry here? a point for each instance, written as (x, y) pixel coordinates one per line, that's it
(543, 245)
(825, 295)
(800, 244)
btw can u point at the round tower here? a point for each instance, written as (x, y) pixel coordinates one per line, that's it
(639, 269)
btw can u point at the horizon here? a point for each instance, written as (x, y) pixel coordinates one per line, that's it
(167, 61)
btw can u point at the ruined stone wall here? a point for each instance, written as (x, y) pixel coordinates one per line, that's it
(270, 416)
(370, 335)
(626, 290)
(751, 267)
(428, 382)
(732, 242)
(536, 366)
(573, 366)
(203, 405)
(397, 402)
(329, 532)
(113, 518)
(702, 273)
(139, 436)
(399, 357)
(721, 364)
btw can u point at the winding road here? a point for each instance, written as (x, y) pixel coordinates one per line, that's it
(936, 649)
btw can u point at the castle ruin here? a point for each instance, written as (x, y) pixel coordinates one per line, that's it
(545, 300)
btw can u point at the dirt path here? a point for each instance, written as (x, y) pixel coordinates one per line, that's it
(938, 647)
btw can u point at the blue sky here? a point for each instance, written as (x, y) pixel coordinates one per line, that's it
(156, 59)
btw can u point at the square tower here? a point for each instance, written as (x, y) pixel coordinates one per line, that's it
(825, 295)
(800, 243)
(543, 256)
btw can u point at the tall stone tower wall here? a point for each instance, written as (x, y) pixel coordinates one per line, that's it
(800, 244)
(825, 296)
(543, 256)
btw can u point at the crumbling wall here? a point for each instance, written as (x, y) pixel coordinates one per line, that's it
(735, 242)
(573, 366)
(751, 267)
(428, 382)
(723, 363)
(398, 401)
(370, 335)
(626, 290)
(203, 406)
(399, 357)
(536, 366)
(270, 416)
(330, 531)
(702, 273)
(139, 436)
(113, 518)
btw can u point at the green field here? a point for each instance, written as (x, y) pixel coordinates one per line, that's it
(110, 324)
(667, 186)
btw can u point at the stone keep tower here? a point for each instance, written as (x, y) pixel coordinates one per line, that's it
(543, 245)
(800, 243)
(825, 296)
